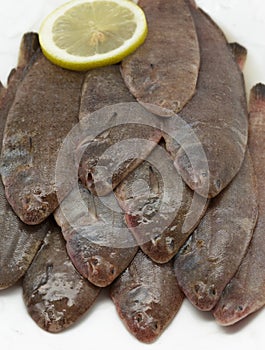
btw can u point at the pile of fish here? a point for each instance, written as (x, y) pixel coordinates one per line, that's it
(179, 215)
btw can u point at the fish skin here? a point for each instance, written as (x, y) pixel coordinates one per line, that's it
(18, 242)
(213, 253)
(55, 294)
(147, 297)
(93, 245)
(104, 87)
(217, 114)
(40, 118)
(245, 292)
(160, 233)
(156, 78)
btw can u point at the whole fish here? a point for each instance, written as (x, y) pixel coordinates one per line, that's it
(216, 115)
(162, 73)
(147, 297)
(160, 209)
(18, 242)
(55, 294)
(104, 87)
(245, 293)
(210, 258)
(98, 242)
(45, 109)
(212, 255)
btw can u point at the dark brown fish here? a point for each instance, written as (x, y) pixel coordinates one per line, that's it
(161, 210)
(217, 115)
(246, 291)
(18, 242)
(147, 297)
(98, 242)
(45, 109)
(162, 73)
(55, 294)
(104, 87)
(212, 255)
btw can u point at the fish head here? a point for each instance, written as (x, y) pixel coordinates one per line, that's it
(36, 202)
(203, 295)
(140, 315)
(194, 170)
(100, 271)
(229, 312)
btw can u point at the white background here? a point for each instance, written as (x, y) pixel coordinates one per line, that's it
(242, 21)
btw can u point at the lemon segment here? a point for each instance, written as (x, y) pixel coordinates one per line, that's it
(84, 34)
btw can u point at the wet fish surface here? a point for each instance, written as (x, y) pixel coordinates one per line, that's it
(55, 294)
(18, 242)
(245, 292)
(45, 109)
(147, 297)
(213, 253)
(160, 209)
(98, 242)
(216, 115)
(104, 87)
(164, 79)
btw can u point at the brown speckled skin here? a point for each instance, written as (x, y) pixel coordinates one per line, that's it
(164, 79)
(104, 87)
(246, 291)
(160, 233)
(55, 294)
(147, 297)
(18, 242)
(45, 109)
(217, 114)
(94, 245)
(212, 255)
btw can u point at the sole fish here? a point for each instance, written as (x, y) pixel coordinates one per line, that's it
(161, 210)
(164, 79)
(246, 291)
(98, 242)
(18, 242)
(212, 255)
(40, 118)
(55, 294)
(104, 87)
(217, 115)
(147, 297)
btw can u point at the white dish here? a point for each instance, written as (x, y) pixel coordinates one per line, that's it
(242, 21)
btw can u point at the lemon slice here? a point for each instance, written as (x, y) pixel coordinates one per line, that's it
(84, 34)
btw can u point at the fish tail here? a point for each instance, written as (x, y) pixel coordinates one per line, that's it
(257, 98)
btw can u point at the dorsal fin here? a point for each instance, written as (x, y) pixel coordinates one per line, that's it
(240, 54)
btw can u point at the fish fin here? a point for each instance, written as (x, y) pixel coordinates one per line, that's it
(28, 46)
(240, 54)
(257, 98)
